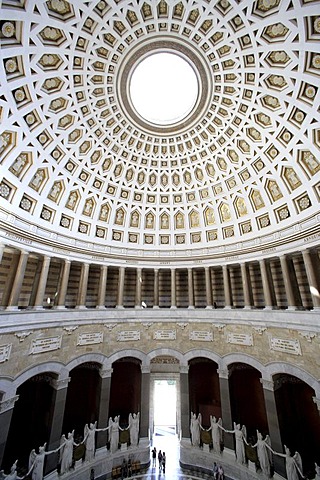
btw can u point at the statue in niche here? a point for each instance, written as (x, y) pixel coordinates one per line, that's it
(88, 207)
(12, 475)
(311, 163)
(66, 452)
(176, 179)
(118, 170)
(72, 200)
(199, 174)
(149, 221)
(19, 164)
(225, 212)
(89, 439)
(37, 180)
(187, 177)
(263, 453)
(216, 433)
(55, 191)
(293, 463)
(104, 212)
(194, 219)
(119, 217)
(153, 179)
(210, 169)
(164, 221)
(141, 178)
(129, 175)
(164, 180)
(114, 428)
(292, 178)
(240, 435)
(195, 428)
(241, 207)
(179, 221)
(135, 218)
(257, 199)
(36, 461)
(133, 422)
(210, 220)
(274, 190)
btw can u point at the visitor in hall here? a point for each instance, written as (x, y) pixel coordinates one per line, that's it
(160, 459)
(164, 459)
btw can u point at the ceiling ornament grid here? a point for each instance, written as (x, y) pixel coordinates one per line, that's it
(73, 162)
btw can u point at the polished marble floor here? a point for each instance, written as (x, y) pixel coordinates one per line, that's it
(169, 444)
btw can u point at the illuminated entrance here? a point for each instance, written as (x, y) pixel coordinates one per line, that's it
(165, 404)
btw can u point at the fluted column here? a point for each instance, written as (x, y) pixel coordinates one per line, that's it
(173, 288)
(62, 292)
(6, 410)
(226, 286)
(190, 288)
(83, 285)
(145, 401)
(311, 263)
(288, 282)
(104, 399)
(156, 289)
(226, 406)
(266, 285)
(102, 287)
(208, 287)
(246, 286)
(184, 399)
(38, 303)
(273, 424)
(138, 288)
(56, 414)
(18, 280)
(120, 288)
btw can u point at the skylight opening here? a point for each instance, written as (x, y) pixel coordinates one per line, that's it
(163, 88)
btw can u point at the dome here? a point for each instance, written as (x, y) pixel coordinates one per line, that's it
(81, 166)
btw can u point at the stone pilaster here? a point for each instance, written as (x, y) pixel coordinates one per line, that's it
(104, 399)
(184, 399)
(226, 406)
(145, 402)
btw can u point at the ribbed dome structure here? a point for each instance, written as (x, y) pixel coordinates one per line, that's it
(80, 163)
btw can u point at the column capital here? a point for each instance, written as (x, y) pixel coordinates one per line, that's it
(223, 373)
(317, 402)
(8, 404)
(184, 368)
(59, 384)
(145, 368)
(267, 384)
(105, 372)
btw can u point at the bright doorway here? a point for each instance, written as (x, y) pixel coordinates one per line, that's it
(165, 407)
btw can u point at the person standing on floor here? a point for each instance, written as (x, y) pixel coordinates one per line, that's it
(164, 462)
(154, 456)
(160, 460)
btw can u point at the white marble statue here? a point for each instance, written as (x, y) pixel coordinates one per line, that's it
(12, 475)
(263, 453)
(133, 427)
(293, 463)
(195, 428)
(66, 452)
(317, 468)
(89, 439)
(216, 433)
(36, 461)
(114, 428)
(240, 434)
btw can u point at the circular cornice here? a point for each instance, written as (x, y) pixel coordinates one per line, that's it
(168, 44)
